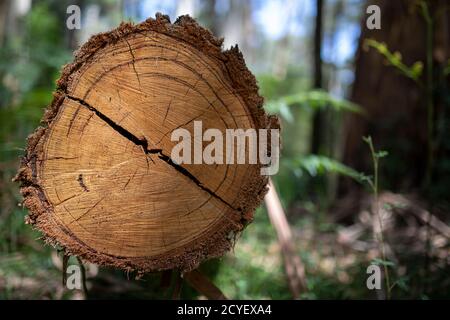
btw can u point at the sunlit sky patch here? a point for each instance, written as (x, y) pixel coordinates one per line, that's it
(275, 19)
(279, 17)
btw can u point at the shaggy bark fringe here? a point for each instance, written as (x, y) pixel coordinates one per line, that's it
(223, 234)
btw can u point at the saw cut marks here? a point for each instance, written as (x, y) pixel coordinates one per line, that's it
(98, 178)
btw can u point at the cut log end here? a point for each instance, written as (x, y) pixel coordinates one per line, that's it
(98, 178)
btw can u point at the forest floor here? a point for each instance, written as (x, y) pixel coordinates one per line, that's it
(336, 253)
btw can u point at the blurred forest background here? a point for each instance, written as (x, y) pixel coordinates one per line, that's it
(333, 81)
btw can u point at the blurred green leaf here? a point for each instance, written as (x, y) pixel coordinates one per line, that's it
(314, 100)
(280, 108)
(381, 262)
(316, 165)
(447, 68)
(381, 154)
(319, 99)
(395, 59)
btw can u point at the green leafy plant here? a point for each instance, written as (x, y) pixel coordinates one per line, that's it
(376, 156)
(394, 59)
(313, 100)
(316, 165)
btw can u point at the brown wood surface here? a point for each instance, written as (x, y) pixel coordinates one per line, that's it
(98, 178)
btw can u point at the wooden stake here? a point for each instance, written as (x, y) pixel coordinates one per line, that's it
(203, 285)
(295, 270)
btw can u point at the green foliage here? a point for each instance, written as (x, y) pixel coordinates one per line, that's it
(316, 165)
(413, 72)
(447, 69)
(376, 156)
(381, 262)
(29, 63)
(37, 55)
(313, 100)
(251, 272)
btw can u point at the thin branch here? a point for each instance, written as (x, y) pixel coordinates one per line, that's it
(295, 270)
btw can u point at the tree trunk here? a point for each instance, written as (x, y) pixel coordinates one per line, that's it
(99, 178)
(319, 115)
(395, 105)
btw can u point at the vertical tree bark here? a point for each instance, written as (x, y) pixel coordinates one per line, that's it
(318, 119)
(4, 12)
(396, 110)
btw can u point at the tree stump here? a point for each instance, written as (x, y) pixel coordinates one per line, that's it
(97, 177)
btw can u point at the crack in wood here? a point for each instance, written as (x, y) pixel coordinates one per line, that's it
(167, 112)
(87, 211)
(81, 182)
(134, 67)
(143, 143)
